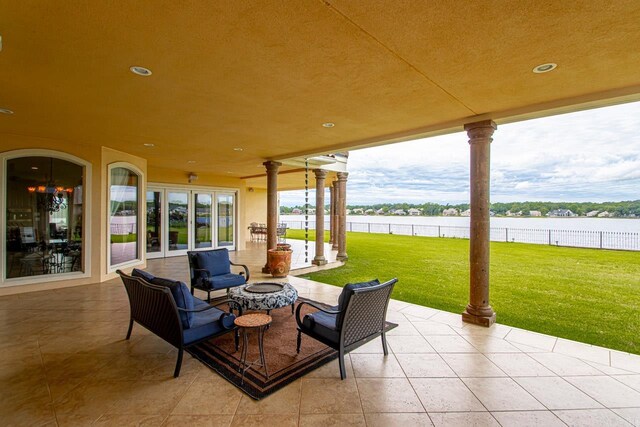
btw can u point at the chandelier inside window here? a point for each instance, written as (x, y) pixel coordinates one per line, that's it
(51, 197)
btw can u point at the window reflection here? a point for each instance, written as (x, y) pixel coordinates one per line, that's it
(225, 220)
(123, 216)
(203, 207)
(178, 217)
(44, 216)
(154, 222)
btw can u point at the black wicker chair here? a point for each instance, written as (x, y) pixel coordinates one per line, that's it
(358, 318)
(155, 308)
(211, 271)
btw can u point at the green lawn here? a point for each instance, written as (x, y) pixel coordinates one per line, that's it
(124, 238)
(585, 295)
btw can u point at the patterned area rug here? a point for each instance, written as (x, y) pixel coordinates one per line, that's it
(283, 363)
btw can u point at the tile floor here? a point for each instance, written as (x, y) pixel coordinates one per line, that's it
(65, 362)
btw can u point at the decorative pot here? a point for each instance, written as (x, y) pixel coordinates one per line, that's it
(279, 262)
(283, 246)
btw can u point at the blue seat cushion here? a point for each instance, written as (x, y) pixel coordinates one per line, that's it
(225, 281)
(182, 297)
(216, 262)
(208, 323)
(198, 303)
(322, 324)
(347, 291)
(143, 275)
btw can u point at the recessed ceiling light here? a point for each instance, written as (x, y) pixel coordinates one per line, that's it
(328, 125)
(544, 68)
(237, 149)
(6, 111)
(35, 168)
(141, 71)
(191, 161)
(148, 144)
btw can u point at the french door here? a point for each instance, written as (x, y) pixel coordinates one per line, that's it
(180, 220)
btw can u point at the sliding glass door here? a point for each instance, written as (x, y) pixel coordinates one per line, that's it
(179, 224)
(155, 238)
(203, 232)
(226, 224)
(180, 220)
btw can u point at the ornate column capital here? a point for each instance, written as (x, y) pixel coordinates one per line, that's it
(272, 166)
(342, 176)
(480, 131)
(320, 173)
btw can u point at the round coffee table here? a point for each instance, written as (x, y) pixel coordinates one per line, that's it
(264, 296)
(247, 322)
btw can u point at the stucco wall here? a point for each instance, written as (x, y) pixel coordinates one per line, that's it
(108, 157)
(91, 155)
(251, 206)
(255, 208)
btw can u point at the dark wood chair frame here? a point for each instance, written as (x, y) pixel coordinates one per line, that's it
(364, 320)
(199, 273)
(154, 308)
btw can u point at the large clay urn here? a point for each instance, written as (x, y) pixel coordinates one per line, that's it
(279, 261)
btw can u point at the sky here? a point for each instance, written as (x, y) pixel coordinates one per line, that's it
(587, 156)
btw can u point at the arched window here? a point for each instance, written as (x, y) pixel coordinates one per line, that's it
(44, 216)
(125, 186)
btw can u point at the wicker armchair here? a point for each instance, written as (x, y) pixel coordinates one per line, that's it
(211, 271)
(168, 310)
(358, 318)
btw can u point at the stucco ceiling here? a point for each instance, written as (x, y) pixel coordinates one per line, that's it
(264, 75)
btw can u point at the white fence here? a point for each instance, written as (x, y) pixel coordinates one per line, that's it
(615, 240)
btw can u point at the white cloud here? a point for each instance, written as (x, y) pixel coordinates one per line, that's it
(585, 156)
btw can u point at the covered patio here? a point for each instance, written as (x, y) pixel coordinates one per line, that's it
(65, 362)
(165, 127)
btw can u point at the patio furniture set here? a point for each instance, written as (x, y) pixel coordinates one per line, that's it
(169, 309)
(258, 232)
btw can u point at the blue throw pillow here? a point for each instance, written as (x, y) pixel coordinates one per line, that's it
(216, 262)
(345, 296)
(143, 275)
(182, 297)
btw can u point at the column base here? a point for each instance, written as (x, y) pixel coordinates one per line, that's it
(334, 247)
(319, 261)
(482, 320)
(342, 257)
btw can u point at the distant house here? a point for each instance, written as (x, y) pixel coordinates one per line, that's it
(509, 213)
(358, 211)
(311, 211)
(380, 212)
(348, 212)
(450, 212)
(560, 213)
(466, 213)
(296, 211)
(535, 213)
(604, 214)
(592, 213)
(414, 212)
(399, 212)
(369, 212)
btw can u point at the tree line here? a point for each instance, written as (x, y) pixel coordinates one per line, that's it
(621, 209)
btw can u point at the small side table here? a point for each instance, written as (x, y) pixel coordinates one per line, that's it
(247, 322)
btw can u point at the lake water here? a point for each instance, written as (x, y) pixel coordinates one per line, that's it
(605, 233)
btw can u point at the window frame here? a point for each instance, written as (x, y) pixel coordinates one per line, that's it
(86, 217)
(141, 220)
